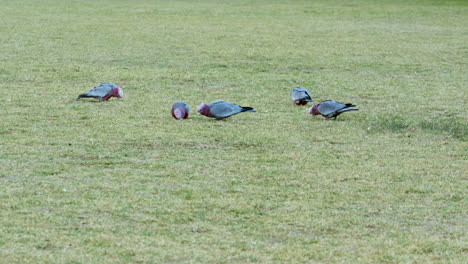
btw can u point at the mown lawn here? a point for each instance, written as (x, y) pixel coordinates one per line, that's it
(123, 182)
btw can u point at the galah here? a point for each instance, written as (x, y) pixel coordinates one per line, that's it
(180, 110)
(222, 109)
(331, 109)
(301, 96)
(103, 92)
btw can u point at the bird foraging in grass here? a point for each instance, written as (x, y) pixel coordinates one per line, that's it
(222, 109)
(331, 109)
(103, 92)
(300, 96)
(180, 110)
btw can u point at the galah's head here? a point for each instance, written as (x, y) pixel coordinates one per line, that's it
(203, 109)
(314, 110)
(300, 102)
(120, 92)
(179, 113)
(117, 92)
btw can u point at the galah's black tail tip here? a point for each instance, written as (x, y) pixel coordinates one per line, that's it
(248, 109)
(83, 96)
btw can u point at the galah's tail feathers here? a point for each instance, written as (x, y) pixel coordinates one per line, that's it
(247, 109)
(347, 109)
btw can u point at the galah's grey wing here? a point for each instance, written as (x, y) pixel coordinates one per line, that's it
(329, 107)
(101, 90)
(182, 105)
(179, 105)
(295, 94)
(223, 109)
(300, 93)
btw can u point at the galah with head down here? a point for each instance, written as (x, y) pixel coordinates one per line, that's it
(301, 96)
(331, 109)
(180, 110)
(103, 92)
(222, 109)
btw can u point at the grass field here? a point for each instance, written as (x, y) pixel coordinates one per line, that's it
(123, 182)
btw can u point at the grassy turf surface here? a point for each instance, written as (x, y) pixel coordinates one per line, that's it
(123, 182)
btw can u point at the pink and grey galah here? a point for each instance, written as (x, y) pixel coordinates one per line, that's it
(222, 109)
(301, 96)
(103, 92)
(331, 109)
(180, 110)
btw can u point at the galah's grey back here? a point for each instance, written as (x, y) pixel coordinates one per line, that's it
(330, 106)
(301, 96)
(223, 109)
(331, 109)
(102, 91)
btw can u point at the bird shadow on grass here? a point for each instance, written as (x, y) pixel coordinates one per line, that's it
(451, 124)
(78, 101)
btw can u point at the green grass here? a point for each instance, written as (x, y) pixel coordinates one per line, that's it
(123, 182)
